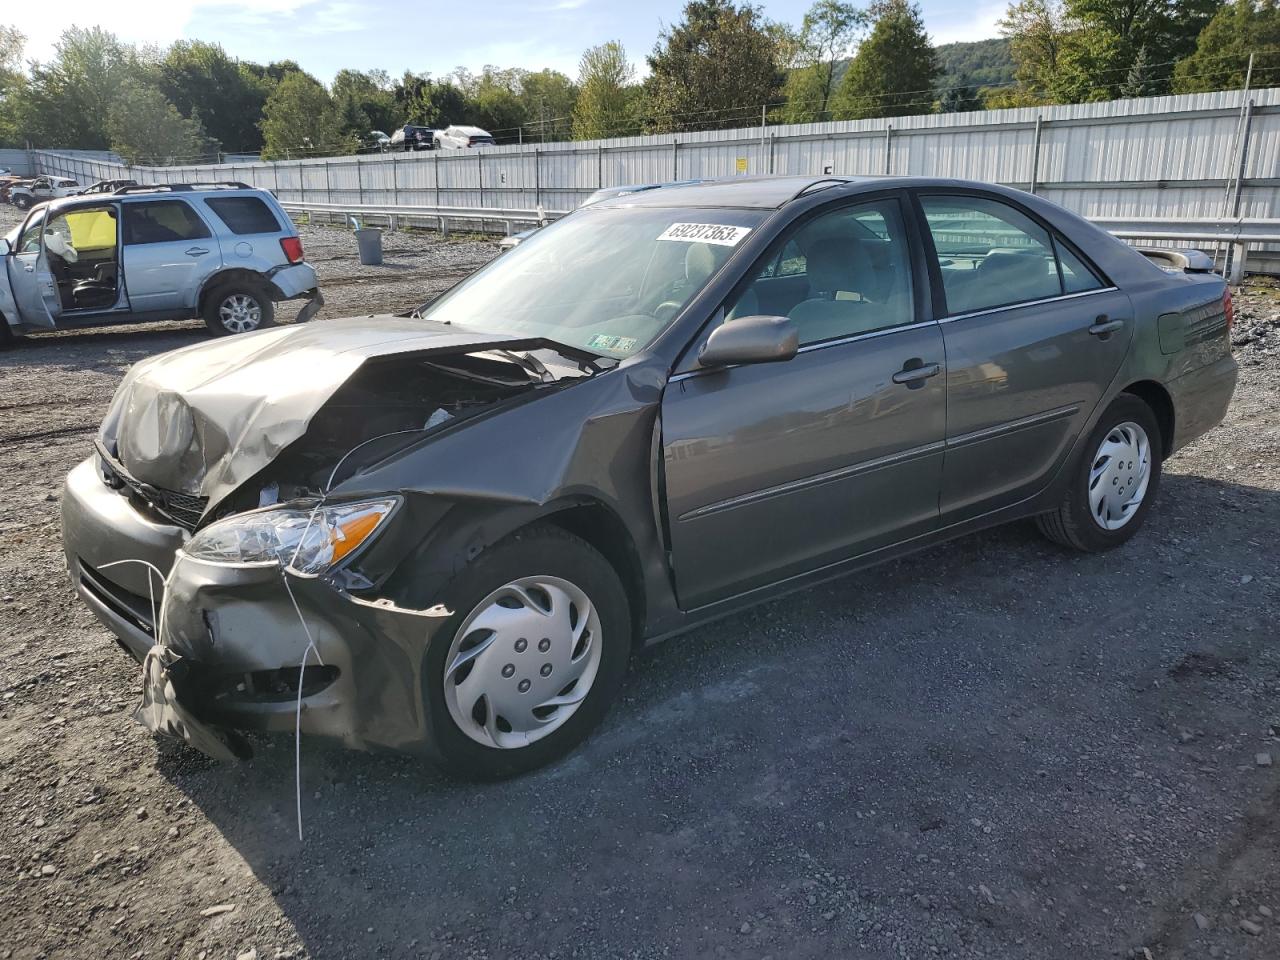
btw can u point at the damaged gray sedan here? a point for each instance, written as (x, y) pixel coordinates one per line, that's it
(446, 532)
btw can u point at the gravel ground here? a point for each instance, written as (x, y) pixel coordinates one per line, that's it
(991, 749)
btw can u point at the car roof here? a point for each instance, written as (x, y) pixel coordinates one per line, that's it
(97, 199)
(770, 193)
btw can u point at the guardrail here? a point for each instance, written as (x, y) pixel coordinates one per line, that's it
(1237, 233)
(395, 214)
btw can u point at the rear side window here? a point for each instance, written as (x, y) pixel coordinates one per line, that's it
(162, 221)
(244, 214)
(990, 254)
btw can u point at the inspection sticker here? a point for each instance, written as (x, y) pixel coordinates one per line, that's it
(717, 233)
(603, 341)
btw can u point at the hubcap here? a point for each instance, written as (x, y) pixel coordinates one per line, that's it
(240, 313)
(522, 662)
(1120, 474)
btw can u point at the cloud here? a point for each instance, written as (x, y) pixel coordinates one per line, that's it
(962, 27)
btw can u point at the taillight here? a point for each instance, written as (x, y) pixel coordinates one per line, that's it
(292, 247)
(1228, 308)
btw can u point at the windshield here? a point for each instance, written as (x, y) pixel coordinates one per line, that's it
(607, 280)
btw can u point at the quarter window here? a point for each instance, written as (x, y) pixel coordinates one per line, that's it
(162, 221)
(244, 214)
(990, 254)
(843, 273)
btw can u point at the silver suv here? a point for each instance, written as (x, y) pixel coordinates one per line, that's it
(221, 251)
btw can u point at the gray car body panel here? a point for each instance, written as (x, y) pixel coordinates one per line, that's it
(601, 456)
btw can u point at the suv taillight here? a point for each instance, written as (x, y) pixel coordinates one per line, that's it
(1228, 308)
(292, 247)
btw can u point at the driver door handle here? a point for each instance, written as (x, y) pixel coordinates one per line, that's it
(196, 251)
(915, 372)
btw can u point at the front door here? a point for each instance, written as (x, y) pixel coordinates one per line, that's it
(772, 470)
(35, 291)
(168, 252)
(1034, 336)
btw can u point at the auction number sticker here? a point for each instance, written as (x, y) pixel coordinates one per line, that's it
(717, 233)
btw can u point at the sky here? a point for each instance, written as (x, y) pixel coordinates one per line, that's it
(427, 37)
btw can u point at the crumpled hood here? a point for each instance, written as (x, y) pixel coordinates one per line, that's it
(204, 419)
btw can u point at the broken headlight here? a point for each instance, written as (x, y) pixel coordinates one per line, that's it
(305, 539)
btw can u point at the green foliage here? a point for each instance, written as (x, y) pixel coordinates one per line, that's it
(605, 97)
(205, 84)
(12, 84)
(364, 102)
(144, 127)
(981, 63)
(548, 98)
(300, 120)
(894, 71)
(713, 68)
(830, 28)
(1221, 56)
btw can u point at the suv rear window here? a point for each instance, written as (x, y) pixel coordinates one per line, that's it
(244, 214)
(162, 221)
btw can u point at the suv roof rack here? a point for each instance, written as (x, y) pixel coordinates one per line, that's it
(184, 187)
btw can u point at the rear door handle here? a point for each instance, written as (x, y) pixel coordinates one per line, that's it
(196, 251)
(915, 371)
(1102, 327)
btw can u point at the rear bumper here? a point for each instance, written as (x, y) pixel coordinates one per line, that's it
(295, 280)
(241, 639)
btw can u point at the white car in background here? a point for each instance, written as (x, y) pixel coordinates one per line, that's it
(25, 196)
(460, 138)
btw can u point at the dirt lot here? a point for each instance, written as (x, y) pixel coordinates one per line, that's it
(992, 749)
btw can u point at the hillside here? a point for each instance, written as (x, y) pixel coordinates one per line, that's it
(975, 64)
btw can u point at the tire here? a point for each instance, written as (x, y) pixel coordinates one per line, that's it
(1093, 523)
(22, 202)
(460, 722)
(243, 300)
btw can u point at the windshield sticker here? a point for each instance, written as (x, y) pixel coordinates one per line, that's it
(603, 341)
(717, 233)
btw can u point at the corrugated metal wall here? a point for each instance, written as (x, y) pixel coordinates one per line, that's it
(1155, 156)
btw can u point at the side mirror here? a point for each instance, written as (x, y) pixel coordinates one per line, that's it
(750, 340)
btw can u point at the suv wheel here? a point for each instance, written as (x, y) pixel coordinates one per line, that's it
(1115, 480)
(22, 202)
(238, 308)
(531, 659)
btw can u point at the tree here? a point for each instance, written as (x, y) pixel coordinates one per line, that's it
(205, 84)
(299, 120)
(12, 84)
(894, 71)
(605, 97)
(1222, 51)
(1039, 35)
(549, 98)
(1140, 80)
(960, 99)
(67, 100)
(717, 66)
(365, 102)
(829, 30)
(433, 103)
(493, 99)
(144, 127)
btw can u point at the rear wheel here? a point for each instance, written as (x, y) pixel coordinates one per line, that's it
(238, 307)
(22, 202)
(531, 659)
(1114, 483)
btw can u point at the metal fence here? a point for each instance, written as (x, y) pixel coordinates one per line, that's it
(1189, 156)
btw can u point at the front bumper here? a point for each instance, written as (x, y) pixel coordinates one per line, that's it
(241, 639)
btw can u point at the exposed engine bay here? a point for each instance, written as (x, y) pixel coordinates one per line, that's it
(390, 403)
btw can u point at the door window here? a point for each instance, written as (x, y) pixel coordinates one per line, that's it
(842, 273)
(162, 221)
(990, 255)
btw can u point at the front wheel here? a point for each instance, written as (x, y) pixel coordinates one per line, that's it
(531, 659)
(1114, 482)
(238, 308)
(22, 203)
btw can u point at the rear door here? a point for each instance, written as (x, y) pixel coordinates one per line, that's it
(168, 253)
(772, 470)
(1034, 335)
(34, 289)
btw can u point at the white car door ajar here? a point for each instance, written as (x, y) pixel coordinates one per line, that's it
(34, 289)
